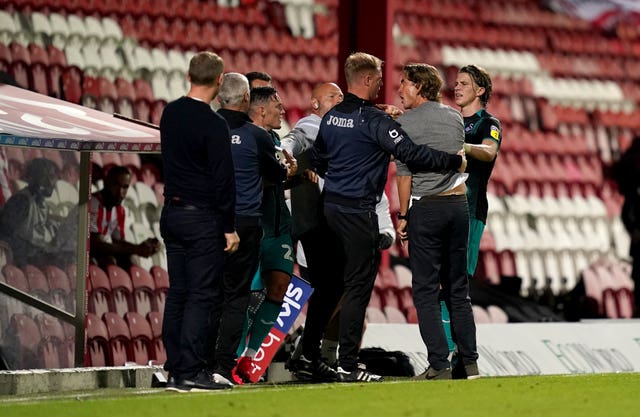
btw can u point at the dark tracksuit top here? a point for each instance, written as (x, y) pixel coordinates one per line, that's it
(254, 160)
(477, 128)
(200, 169)
(353, 149)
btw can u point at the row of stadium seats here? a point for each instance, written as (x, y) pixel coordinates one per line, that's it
(41, 341)
(38, 342)
(609, 289)
(49, 283)
(113, 340)
(118, 291)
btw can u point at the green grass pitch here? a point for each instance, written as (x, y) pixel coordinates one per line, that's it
(609, 395)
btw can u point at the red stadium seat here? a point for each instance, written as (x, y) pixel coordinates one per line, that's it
(121, 289)
(161, 278)
(71, 81)
(141, 336)
(53, 343)
(375, 300)
(59, 288)
(19, 52)
(143, 90)
(412, 316)
(19, 70)
(143, 290)
(15, 277)
(386, 279)
(108, 95)
(5, 57)
(405, 299)
(100, 297)
(39, 78)
(57, 62)
(97, 341)
(38, 285)
(119, 340)
(38, 54)
(23, 338)
(155, 320)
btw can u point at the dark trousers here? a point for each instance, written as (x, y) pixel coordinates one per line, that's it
(227, 319)
(358, 236)
(325, 266)
(438, 239)
(195, 255)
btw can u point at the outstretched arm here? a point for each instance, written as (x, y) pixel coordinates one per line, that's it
(486, 151)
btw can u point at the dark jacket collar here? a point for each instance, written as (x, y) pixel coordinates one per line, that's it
(234, 118)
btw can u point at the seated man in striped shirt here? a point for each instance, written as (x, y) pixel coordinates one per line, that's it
(107, 224)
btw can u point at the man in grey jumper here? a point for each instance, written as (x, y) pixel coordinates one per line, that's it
(437, 224)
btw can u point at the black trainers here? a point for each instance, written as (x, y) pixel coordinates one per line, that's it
(472, 371)
(204, 381)
(358, 375)
(172, 383)
(315, 370)
(461, 371)
(433, 374)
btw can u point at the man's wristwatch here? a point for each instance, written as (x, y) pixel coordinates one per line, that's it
(402, 216)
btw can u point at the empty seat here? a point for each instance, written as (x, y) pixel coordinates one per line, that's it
(59, 287)
(141, 336)
(38, 285)
(97, 341)
(71, 81)
(161, 278)
(121, 289)
(54, 347)
(155, 321)
(144, 298)
(23, 338)
(119, 339)
(388, 297)
(375, 299)
(15, 277)
(100, 297)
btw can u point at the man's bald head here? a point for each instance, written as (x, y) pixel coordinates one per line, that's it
(324, 96)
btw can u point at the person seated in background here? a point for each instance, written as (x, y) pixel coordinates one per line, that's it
(107, 224)
(25, 222)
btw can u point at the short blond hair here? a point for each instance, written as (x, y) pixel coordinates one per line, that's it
(360, 62)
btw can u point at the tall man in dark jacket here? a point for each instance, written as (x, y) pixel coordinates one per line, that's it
(352, 152)
(197, 222)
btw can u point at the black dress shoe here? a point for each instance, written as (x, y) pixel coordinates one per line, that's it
(203, 381)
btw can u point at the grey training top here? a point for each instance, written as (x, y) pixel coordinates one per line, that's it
(440, 127)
